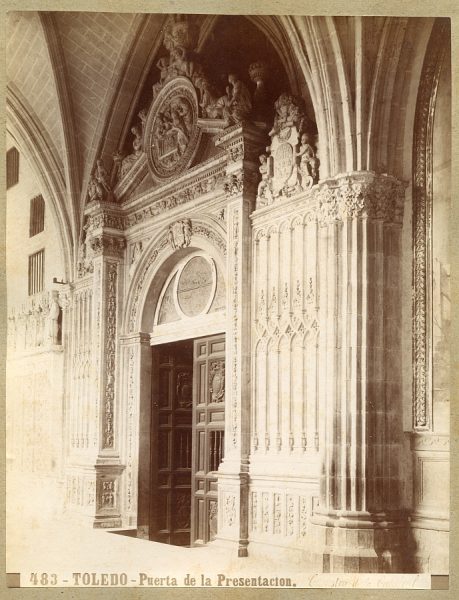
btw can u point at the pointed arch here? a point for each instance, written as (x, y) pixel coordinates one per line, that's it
(27, 130)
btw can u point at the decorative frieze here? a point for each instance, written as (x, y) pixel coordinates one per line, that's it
(198, 186)
(106, 218)
(36, 323)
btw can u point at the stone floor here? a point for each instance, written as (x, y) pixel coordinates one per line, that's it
(46, 544)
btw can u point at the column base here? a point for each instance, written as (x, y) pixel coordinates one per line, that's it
(233, 512)
(361, 543)
(93, 495)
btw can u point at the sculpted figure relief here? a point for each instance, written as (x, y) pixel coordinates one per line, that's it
(172, 131)
(129, 160)
(308, 163)
(99, 184)
(235, 106)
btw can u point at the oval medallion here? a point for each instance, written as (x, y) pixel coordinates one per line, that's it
(171, 130)
(195, 286)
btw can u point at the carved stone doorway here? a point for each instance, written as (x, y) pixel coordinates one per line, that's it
(187, 439)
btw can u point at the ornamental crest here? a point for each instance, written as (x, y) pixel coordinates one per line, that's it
(171, 130)
(291, 163)
(180, 233)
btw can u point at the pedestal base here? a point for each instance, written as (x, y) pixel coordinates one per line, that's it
(363, 546)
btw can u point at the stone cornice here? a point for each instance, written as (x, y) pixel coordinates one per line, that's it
(206, 178)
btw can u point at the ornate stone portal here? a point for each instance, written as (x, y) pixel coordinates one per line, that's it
(279, 385)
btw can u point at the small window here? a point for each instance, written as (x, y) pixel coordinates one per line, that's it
(12, 167)
(37, 215)
(36, 272)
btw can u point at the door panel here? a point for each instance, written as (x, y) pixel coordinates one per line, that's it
(171, 443)
(208, 438)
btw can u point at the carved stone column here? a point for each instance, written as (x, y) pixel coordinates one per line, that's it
(358, 520)
(93, 464)
(243, 144)
(108, 250)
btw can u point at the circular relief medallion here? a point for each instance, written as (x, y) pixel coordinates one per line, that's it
(196, 286)
(171, 131)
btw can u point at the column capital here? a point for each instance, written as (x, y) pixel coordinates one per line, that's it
(107, 245)
(362, 194)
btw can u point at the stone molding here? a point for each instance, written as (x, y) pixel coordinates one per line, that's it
(179, 194)
(422, 217)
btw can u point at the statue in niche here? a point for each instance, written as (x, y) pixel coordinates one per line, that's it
(308, 163)
(53, 319)
(129, 160)
(84, 263)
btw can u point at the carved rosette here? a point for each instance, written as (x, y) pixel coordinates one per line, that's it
(361, 195)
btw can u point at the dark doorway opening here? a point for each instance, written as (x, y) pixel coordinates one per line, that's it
(187, 439)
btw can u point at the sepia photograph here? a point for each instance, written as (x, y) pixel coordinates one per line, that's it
(228, 298)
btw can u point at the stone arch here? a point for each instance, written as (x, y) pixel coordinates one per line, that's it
(26, 129)
(158, 260)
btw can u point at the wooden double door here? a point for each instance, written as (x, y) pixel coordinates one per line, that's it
(187, 439)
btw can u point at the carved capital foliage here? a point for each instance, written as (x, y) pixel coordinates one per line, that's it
(361, 195)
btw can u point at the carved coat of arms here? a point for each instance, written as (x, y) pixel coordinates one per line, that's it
(180, 233)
